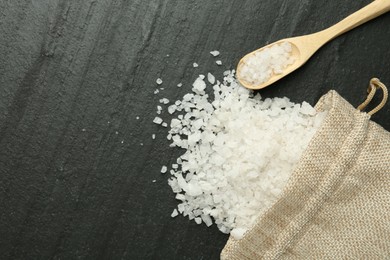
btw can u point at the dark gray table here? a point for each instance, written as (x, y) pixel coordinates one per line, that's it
(73, 73)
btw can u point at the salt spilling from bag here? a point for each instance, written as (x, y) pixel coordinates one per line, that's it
(239, 152)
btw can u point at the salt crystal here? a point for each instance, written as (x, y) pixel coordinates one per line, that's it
(159, 81)
(164, 169)
(214, 53)
(198, 86)
(195, 65)
(207, 220)
(172, 109)
(218, 62)
(179, 85)
(174, 213)
(157, 120)
(210, 78)
(307, 109)
(153, 136)
(164, 100)
(180, 197)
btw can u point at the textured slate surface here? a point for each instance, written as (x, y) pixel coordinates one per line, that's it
(73, 73)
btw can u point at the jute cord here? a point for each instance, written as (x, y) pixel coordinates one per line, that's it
(374, 85)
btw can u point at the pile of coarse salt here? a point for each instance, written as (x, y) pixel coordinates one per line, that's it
(259, 67)
(240, 151)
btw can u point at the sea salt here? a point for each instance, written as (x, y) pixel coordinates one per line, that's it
(214, 53)
(164, 169)
(263, 64)
(159, 81)
(157, 120)
(159, 109)
(164, 101)
(174, 213)
(210, 78)
(239, 150)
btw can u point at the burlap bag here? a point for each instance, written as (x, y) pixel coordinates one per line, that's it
(336, 204)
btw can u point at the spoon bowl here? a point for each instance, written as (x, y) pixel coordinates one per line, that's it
(303, 47)
(295, 53)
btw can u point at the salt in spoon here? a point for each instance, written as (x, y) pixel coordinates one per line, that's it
(303, 47)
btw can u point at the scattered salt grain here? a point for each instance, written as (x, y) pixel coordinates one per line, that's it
(159, 109)
(157, 120)
(153, 180)
(164, 101)
(137, 117)
(218, 62)
(156, 91)
(174, 213)
(195, 65)
(159, 81)
(164, 124)
(180, 85)
(210, 78)
(164, 169)
(214, 53)
(153, 136)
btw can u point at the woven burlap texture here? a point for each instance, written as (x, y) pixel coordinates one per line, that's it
(336, 204)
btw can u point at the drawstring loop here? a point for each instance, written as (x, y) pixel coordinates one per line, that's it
(374, 85)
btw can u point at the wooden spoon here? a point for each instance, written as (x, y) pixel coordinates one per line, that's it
(303, 47)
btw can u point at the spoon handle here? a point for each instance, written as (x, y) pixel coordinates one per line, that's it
(375, 9)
